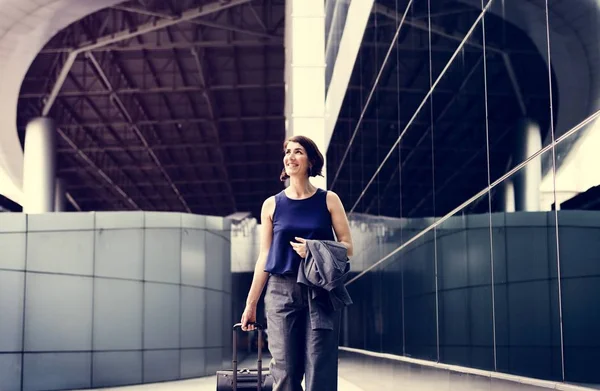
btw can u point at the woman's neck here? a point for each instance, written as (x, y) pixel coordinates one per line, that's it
(300, 188)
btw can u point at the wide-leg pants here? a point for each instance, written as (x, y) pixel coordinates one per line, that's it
(296, 349)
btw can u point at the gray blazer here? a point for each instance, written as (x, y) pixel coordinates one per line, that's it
(324, 271)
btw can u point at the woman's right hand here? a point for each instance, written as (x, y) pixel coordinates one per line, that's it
(249, 316)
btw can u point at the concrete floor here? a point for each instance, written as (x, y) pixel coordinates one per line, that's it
(360, 373)
(204, 384)
(209, 383)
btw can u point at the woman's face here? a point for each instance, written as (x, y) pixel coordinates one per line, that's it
(295, 160)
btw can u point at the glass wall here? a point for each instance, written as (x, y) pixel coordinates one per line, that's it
(336, 12)
(466, 155)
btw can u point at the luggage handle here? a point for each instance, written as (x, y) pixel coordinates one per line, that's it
(259, 328)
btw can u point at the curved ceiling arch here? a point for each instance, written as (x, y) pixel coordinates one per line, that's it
(31, 26)
(171, 105)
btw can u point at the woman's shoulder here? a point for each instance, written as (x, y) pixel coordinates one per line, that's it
(333, 200)
(269, 204)
(267, 210)
(332, 196)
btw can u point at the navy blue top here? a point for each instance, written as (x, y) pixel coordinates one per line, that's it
(306, 218)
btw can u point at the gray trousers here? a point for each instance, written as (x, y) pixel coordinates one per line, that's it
(296, 349)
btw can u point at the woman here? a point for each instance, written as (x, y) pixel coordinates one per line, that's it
(288, 219)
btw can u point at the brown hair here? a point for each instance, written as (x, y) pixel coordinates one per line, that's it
(312, 152)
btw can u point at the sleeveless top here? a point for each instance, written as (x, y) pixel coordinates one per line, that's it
(306, 218)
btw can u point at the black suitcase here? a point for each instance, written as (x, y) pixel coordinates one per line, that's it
(245, 379)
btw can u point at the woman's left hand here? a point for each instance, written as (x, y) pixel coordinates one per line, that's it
(300, 248)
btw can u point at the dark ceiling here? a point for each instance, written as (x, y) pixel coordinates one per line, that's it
(441, 159)
(190, 117)
(185, 118)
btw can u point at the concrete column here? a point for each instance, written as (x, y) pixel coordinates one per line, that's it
(528, 180)
(39, 166)
(509, 195)
(60, 199)
(305, 74)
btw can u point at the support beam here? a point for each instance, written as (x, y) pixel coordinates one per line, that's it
(135, 148)
(226, 27)
(192, 196)
(262, 181)
(182, 121)
(167, 46)
(151, 90)
(109, 39)
(73, 202)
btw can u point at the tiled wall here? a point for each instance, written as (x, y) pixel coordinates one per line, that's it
(104, 299)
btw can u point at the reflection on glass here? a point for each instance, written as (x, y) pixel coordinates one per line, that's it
(420, 320)
(357, 318)
(336, 12)
(460, 134)
(575, 98)
(353, 139)
(527, 297)
(386, 63)
(576, 181)
(452, 202)
(518, 100)
(392, 306)
(466, 318)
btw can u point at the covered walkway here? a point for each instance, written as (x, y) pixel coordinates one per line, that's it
(162, 122)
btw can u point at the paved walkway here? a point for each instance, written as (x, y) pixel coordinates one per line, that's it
(209, 383)
(360, 373)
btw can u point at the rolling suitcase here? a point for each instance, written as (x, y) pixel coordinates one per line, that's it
(245, 379)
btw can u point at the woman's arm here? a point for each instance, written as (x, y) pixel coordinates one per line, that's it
(260, 276)
(339, 221)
